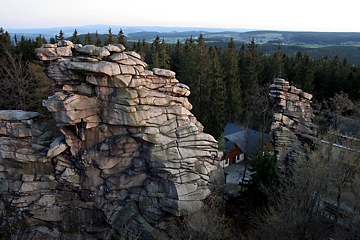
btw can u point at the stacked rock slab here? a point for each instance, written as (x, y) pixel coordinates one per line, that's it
(292, 129)
(27, 178)
(131, 147)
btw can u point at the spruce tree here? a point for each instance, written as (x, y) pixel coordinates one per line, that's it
(201, 83)
(154, 53)
(306, 73)
(253, 65)
(187, 60)
(353, 83)
(264, 181)
(233, 84)
(98, 41)
(5, 42)
(61, 36)
(137, 47)
(176, 53)
(39, 41)
(250, 70)
(142, 48)
(215, 120)
(322, 78)
(110, 39)
(53, 39)
(25, 49)
(338, 73)
(75, 38)
(277, 68)
(122, 40)
(88, 39)
(163, 56)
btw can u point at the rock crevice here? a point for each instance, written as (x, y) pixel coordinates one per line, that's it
(130, 153)
(292, 129)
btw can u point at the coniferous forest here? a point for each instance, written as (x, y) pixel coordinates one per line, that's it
(227, 85)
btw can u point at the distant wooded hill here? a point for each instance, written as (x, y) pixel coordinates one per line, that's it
(284, 37)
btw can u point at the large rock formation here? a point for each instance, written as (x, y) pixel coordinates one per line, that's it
(292, 129)
(131, 155)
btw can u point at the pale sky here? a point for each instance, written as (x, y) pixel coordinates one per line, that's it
(304, 15)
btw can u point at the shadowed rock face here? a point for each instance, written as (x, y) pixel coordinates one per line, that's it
(131, 154)
(292, 129)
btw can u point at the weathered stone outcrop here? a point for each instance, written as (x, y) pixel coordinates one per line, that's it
(292, 129)
(131, 154)
(27, 180)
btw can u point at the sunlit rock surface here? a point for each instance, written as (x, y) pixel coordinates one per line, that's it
(130, 153)
(292, 129)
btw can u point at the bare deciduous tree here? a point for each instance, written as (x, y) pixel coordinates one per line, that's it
(320, 199)
(22, 85)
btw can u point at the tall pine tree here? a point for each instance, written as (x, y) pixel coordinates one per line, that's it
(110, 39)
(88, 39)
(215, 121)
(200, 85)
(305, 74)
(153, 58)
(75, 38)
(142, 48)
(98, 41)
(250, 71)
(163, 56)
(61, 36)
(175, 60)
(233, 84)
(121, 39)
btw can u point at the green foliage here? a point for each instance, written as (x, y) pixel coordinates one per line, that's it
(142, 48)
(227, 84)
(250, 71)
(231, 74)
(39, 41)
(110, 39)
(195, 71)
(154, 51)
(121, 39)
(230, 84)
(60, 37)
(88, 39)
(163, 55)
(222, 143)
(175, 60)
(264, 181)
(153, 59)
(5, 42)
(98, 41)
(277, 67)
(52, 40)
(214, 120)
(75, 38)
(25, 48)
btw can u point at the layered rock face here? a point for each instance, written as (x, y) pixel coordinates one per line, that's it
(131, 154)
(27, 180)
(292, 129)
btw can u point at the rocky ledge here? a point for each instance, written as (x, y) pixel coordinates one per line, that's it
(130, 153)
(292, 129)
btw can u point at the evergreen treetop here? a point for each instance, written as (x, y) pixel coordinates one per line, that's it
(110, 39)
(75, 38)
